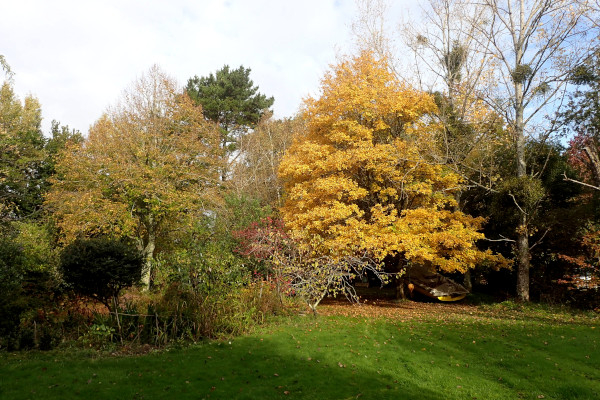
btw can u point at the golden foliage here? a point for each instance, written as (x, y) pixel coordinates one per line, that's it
(148, 165)
(360, 181)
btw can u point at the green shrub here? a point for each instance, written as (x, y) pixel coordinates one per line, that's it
(11, 277)
(182, 313)
(33, 314)
(25, 293)
(100, 267)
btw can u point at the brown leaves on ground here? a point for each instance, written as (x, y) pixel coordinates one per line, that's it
(399, 310)
(406, 310)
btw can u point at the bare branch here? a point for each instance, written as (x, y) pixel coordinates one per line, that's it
(517, 204)
(540, 239)
(566, 178)
(504, 239)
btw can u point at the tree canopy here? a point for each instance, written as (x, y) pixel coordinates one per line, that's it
(255, 174)
(21, 155)
(230, 99)
(359, 180)
(148, 165)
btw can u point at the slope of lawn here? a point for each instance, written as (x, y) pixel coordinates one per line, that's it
(382, 351)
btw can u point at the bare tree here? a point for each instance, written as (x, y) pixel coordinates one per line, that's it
(260, 152)
(534, 45)
(513, 55)
(441, 55)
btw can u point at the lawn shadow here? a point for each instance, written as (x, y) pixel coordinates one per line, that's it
(274, 367)
(308, 372)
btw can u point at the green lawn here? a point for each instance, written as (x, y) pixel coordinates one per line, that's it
(431, 351)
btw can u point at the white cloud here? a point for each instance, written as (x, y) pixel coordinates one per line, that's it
(78, 56)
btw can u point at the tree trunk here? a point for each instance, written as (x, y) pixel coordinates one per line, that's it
(467, 281)
(595, 164)
(523, 255)
(146, 273)
(148, 252)
(523, 261)
(400, 294)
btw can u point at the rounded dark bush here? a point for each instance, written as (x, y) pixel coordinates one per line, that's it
(100, 267)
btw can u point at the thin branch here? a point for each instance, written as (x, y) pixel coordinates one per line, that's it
(517, 204)
(540, 240)
(504, 239)
(566, 178)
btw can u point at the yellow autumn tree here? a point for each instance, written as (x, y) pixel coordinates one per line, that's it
(148, 166)
(362, 180)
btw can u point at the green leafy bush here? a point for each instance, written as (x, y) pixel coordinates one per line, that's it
(183, 313)
(28, 291)
(100, 267)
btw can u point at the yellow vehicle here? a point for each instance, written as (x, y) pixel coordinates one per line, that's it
(434, 285)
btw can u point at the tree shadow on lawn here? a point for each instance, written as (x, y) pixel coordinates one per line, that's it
(248, 368)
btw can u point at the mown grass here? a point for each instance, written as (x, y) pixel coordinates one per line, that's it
(445, 352)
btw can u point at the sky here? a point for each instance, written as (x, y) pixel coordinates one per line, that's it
(78, 56)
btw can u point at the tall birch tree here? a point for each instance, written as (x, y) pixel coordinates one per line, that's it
(516, 56)
(534, 44)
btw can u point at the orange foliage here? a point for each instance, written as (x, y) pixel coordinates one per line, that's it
(360, 181)
(586, 274)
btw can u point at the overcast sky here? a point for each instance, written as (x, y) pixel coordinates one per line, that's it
(77, 56)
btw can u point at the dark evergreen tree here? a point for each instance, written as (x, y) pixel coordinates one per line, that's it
(230, 99)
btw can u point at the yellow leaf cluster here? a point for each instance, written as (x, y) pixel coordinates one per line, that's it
(359, 180)
(149, 162)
